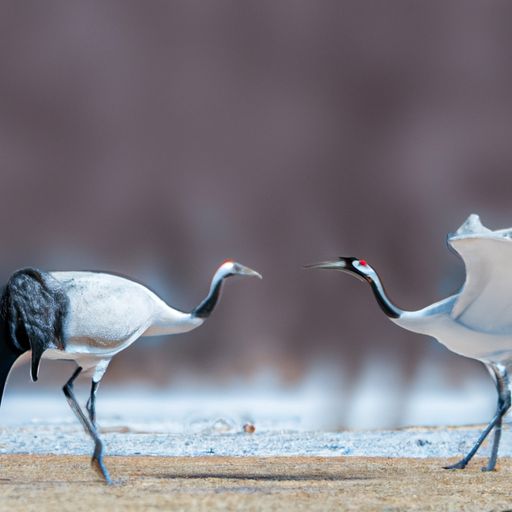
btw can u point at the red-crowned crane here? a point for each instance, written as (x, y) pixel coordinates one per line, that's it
(475, 323)
(89, 317)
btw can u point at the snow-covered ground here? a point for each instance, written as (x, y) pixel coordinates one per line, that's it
(211, 422)
(217, 439)
(318, 416)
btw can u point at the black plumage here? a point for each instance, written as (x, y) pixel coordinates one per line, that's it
(33, 308)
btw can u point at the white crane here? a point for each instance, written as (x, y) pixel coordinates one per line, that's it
(476, 322)
(89, 317)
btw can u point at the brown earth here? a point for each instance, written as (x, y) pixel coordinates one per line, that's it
(43, 483)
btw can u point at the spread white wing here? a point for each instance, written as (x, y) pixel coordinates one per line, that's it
(485, 301)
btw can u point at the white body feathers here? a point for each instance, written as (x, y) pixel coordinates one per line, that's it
(107, 313)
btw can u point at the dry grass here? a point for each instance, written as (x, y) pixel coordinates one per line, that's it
(46, 483)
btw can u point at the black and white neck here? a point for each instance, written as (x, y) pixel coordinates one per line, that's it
(227, 269)
(206, 306)
(385, 304)
(172, 321)
(363, 271)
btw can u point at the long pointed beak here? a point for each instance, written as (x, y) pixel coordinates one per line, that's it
(246, 271)
(336, 265)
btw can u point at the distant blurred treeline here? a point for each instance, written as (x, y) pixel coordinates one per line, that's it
(158, 138)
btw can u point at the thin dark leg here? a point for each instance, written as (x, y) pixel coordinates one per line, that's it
(503, 407)
(503, 404)
(97, 458)
(463, 462)
(91, 403)
(491, 464)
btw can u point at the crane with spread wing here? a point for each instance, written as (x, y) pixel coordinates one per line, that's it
(476, 322)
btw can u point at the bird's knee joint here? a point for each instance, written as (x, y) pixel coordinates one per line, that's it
(98, 449)
(504, 406)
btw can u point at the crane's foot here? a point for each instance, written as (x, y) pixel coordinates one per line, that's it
(493, 459)
(98, 464)
(458, 465)
(491, 465)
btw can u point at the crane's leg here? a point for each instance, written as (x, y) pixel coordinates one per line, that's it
(99, 371)
(97, 458)
(501, 410)
(91, 403)
(502, 382)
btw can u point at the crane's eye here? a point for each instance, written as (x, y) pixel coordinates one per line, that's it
(363, 263)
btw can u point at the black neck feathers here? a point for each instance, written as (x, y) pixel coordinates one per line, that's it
(205, 308)
(385, 304)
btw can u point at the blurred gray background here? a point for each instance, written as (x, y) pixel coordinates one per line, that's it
(157, 138)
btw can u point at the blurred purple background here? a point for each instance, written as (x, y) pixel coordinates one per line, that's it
(156, 139)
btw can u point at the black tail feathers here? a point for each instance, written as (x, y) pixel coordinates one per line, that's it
(33, 313)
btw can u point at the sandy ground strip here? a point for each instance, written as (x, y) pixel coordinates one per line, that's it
(51, 482)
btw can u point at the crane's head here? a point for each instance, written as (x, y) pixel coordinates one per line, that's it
(232, 268)
(363, 271)
(358, 268)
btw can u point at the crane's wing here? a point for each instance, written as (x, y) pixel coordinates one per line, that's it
(485, 301)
